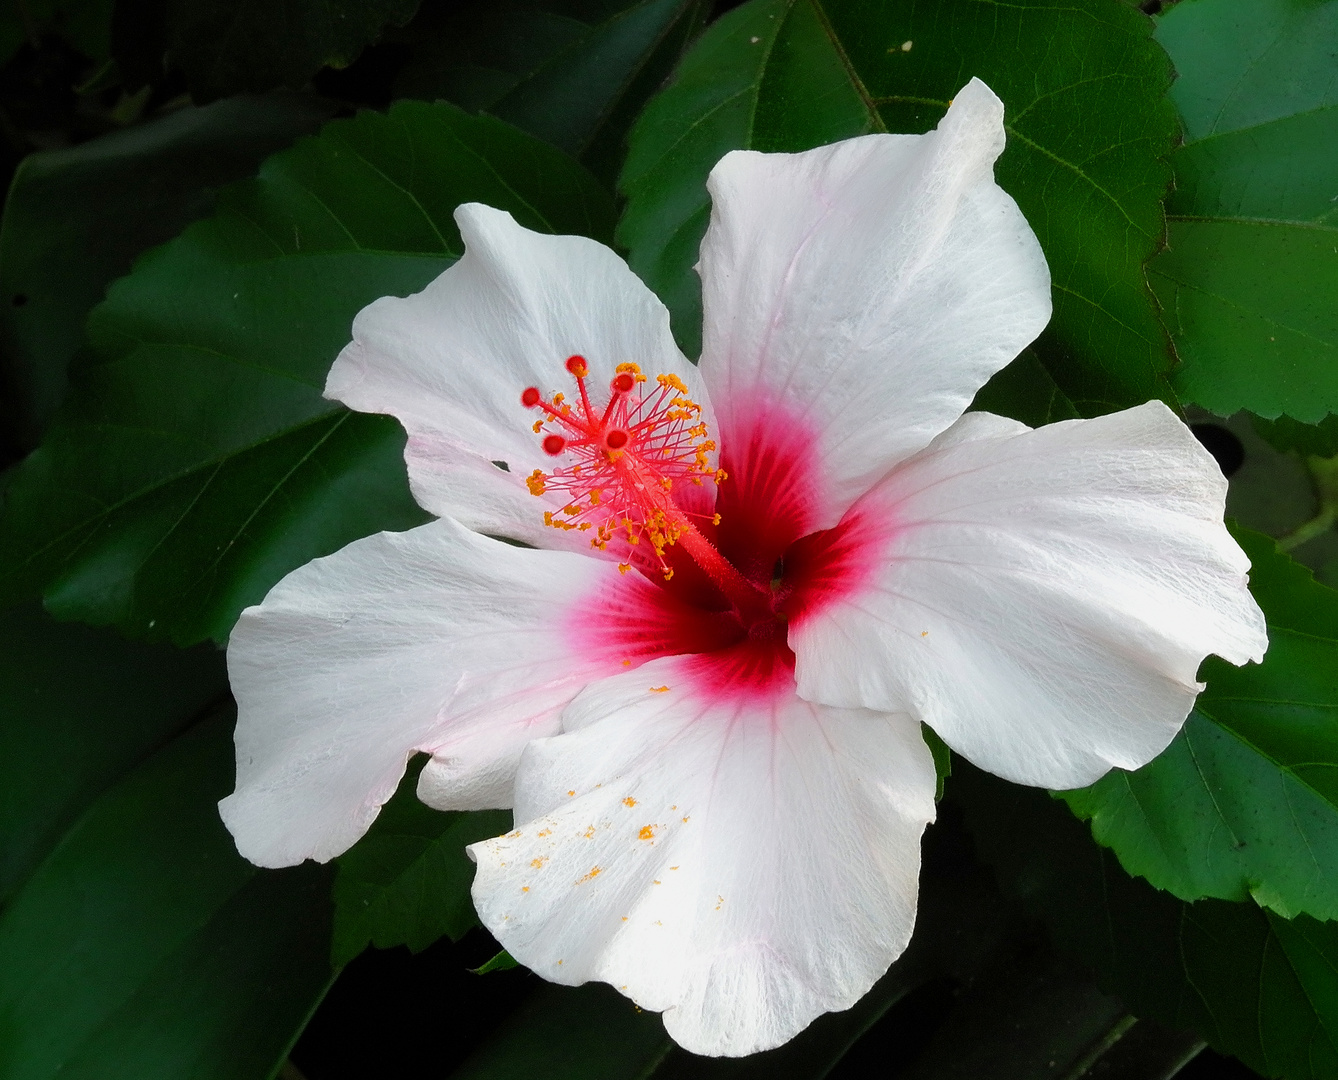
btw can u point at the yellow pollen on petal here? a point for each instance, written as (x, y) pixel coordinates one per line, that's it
(647, 832)
(659, 689)
(629, 801)
(595, 871)
(539, 862)
(590, 833)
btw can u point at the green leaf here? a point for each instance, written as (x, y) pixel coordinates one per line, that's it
(502, 961)
(79, 707)
(1252, 983)
(1083, 86)
(76, 219)
(225, 47)
(145, 946)
(1025, 391)
(407, 881)
(1244, 802)
(942, 758)
(573, 72)
(196, 462)
(1284, 433)
(1251, 265)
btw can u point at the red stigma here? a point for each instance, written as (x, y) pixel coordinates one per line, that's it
(530, 397)
(632, 464)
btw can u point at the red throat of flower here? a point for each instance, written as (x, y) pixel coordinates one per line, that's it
(621, 464)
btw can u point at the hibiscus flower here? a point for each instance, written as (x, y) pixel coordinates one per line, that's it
(701, 688)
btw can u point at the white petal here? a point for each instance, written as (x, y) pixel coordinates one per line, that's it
(861, 293)
(437, 639)
(1042, 599)
(450, 364)
(742, 866)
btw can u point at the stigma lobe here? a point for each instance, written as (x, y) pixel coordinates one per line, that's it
(622, 457)
(624, 467)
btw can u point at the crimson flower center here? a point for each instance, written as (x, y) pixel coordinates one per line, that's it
(624, 466)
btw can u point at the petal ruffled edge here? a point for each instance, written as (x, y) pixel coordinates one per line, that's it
(437, 640)
(1042, 599)
(741, 866)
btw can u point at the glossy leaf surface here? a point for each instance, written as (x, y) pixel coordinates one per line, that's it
(1087, 123)
(1251, 267)
(196, 461)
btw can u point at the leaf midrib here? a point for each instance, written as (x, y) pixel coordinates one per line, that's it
(217, 460)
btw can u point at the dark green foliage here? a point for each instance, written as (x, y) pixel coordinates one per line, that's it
(407, 881)
(76, 219)
(197, 460)
(573, 72)
(1251, 267)
(134, 940)
(224, 47)
(1287, 434)
(1252, 983)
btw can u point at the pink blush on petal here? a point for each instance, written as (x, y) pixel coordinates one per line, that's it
(771, 494)
(754, 672)
(637, 619)
(766, 504)
(838, 563)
